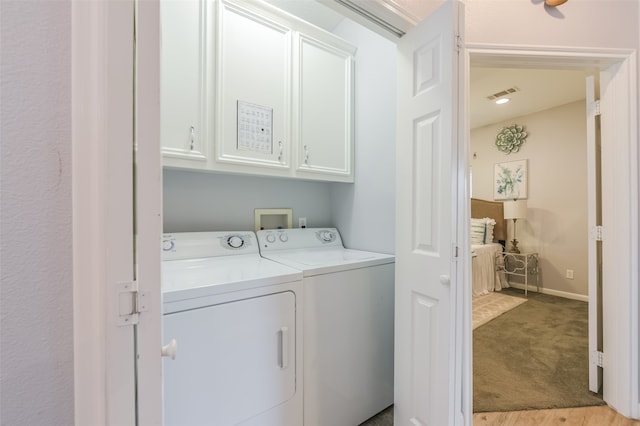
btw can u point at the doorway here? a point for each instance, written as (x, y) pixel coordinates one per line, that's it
(549, 105)
(587, 63)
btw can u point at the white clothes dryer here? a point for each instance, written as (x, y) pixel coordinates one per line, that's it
(348, 323)
(237, 320)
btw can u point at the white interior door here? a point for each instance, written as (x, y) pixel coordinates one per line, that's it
(594, 218)
(426, 269)
(619, 160)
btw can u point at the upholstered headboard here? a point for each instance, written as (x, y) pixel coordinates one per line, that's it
(494, 210)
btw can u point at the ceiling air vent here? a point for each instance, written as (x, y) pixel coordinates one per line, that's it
(502, 93)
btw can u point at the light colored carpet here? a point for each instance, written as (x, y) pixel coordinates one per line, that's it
(492, 305)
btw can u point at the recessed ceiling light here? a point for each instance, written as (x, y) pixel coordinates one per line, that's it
(502, 101)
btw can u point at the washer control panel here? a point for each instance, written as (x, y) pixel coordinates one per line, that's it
(283, 239)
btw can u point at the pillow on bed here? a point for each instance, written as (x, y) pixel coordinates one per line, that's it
(489, 234)
(482, 230)
(478, 231)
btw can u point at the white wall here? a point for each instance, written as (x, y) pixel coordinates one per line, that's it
(36, 297)
(199, 201)
(587, 23)
(365, 211)
(556, 225)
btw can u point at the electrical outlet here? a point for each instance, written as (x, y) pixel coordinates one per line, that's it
(302, 222)
(569, 274)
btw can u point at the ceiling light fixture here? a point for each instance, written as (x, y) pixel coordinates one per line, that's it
(502, 101)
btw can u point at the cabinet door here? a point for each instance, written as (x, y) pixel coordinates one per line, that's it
(324, 110)
(235, 361)
(182, 63)
(254, 51)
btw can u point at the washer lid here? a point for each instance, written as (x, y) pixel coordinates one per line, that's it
(316, 261)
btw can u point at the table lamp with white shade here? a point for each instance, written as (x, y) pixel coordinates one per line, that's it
(516, 209)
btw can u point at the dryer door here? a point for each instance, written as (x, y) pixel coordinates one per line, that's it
(235, 360)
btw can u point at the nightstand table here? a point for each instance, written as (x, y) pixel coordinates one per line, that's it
(519, 265)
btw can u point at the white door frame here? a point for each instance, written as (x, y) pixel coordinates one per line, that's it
(621, 367)
(102, 185)
(148, 212)
(104, 220)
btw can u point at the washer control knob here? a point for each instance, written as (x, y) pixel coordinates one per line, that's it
(284, 237)
(235, 241)
(271, 238)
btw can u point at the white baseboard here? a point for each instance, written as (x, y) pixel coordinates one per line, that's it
(566, 295)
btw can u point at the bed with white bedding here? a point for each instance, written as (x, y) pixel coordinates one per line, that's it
(484, 276)
(488, 228)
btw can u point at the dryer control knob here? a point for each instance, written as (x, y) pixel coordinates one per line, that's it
(168, 245)
(235, 241)
(271, 238)
(327, 236)
(284, 237)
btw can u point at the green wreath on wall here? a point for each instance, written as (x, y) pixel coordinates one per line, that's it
(511, 138)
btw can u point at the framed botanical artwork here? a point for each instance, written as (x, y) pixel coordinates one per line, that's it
(510, 180)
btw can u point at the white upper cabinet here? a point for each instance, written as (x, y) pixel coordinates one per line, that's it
(324, 83)
(254, 53)
(182, 72)
(272, 96)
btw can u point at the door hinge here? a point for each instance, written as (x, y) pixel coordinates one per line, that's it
(131, 302)
(597, 233)
(459, 43)
(455, 252)
(596, 107)
(597, 358)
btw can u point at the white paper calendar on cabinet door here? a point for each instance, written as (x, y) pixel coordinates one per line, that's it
(255, 128)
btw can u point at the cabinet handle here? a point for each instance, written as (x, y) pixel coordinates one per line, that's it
(306, 155)
(281, 149)
(284, 347)
(192, 137)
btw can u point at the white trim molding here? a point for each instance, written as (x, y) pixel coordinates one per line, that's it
(102, 145)
(552, 292)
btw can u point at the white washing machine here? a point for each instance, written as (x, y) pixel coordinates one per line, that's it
(237, 320)
(348, 323)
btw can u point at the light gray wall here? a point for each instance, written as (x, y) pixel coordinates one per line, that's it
(556, 223)
(365, 211)
(200, 201)
(36, 292)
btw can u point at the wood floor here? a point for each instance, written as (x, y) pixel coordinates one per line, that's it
(584, 416)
